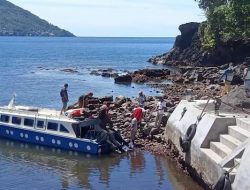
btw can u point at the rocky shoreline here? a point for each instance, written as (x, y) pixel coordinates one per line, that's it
(188, 50)
(185, 81)
(199, 82)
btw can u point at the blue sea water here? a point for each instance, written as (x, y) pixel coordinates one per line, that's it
(32, 68)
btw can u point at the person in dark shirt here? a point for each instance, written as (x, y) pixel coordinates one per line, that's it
(83, 100)
(64, 97)
(228, 74)
(105, 117)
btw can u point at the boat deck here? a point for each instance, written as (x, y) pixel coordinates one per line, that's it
(31, 111)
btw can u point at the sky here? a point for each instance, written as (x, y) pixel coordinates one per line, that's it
(116, 18)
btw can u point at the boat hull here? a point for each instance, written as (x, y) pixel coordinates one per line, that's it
(40, 138)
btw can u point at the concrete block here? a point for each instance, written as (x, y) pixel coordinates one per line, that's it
(243, 172)
(211, 154)
(220, 149)
(230, 141)
(238, 133)
(207, 155)
(243, 123)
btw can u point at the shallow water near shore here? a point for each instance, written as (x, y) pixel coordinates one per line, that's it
(26, 166)
(32, 68)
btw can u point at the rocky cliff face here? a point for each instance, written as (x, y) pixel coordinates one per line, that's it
(187, 50)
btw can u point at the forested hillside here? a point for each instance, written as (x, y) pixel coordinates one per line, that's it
(15, 21)
(226, 20)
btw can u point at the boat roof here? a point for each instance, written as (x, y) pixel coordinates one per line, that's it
(35, 111)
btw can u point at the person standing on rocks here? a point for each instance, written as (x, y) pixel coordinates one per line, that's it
(64, 97)
(138, 115)
(141, 99)
(229, 75)
(161, 105)
(246, 78)
(133, 131)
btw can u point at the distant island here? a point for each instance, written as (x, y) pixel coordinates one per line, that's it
(15, 21)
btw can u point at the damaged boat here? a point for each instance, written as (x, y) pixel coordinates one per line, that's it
(47, 127)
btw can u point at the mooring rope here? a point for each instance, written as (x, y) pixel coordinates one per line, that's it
(231, 169)
(203, 110)
(232, 106)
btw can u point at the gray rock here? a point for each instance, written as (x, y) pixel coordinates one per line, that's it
(126, 124)
(171, 110)
(123, 79)
(158, 138)
(154, 131)
(165, 118)
(128, 115)
(146, 130)
(119, 100)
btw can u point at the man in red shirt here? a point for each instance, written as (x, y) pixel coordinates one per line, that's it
(138, 114)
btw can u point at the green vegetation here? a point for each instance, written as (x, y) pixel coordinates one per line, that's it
(15, 21)
(226, 20)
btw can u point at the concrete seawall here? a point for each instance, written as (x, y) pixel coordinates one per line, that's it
(218, 145)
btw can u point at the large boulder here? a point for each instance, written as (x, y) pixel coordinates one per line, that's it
(123, 79)
(236, 98)
(153, 72)
(119, 100)
(165, 119)
(106, 99)
(237, 80)
(187, 33)
(155, 131)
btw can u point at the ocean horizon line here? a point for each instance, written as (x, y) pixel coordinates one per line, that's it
(88, 37)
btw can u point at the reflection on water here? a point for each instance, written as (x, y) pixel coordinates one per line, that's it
(25, 166)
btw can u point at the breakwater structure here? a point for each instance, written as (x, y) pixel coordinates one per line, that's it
(221, 143)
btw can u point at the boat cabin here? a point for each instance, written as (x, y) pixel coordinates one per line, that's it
(47, 123)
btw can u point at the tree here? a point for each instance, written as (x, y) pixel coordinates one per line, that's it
(226, 20)
(210, 4)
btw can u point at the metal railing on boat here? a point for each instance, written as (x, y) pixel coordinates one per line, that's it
(33, 113)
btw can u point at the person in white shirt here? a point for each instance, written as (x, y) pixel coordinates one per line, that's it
(141, 99)
(245, 72)
(246, 78)
(161, 105)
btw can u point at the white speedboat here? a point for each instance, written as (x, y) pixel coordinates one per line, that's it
(47, 127)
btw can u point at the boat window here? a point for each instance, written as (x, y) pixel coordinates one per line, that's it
(52, 126)
(16, 120)
(63, 129)
(5, 118)
(40, 124)
(28, 122)
(76, 129)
